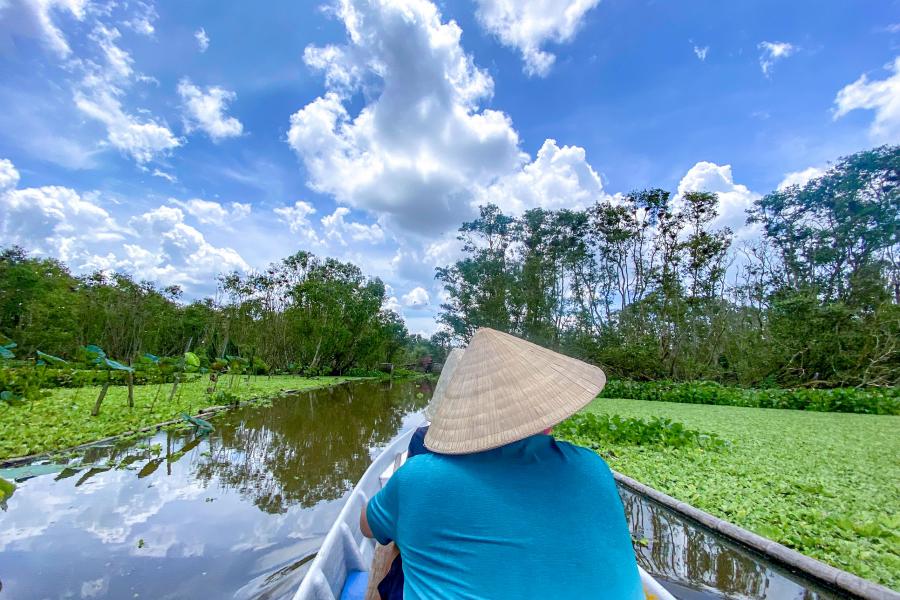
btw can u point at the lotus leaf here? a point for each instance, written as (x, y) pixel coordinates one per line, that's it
(50, 359)
(117, 366)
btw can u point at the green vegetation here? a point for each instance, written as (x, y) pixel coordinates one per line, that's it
(876, 401)
(63, 418)
(598, 431)
(303, 315)
(651, 289)
(6, 490)
(824, 484)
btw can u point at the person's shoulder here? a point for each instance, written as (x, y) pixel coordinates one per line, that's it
(421, 464)
(584, 457)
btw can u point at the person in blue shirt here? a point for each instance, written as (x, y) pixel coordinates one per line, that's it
(501, 509)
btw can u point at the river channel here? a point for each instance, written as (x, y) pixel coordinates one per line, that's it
(241, 512)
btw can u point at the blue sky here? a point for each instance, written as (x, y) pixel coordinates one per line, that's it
(178, 140)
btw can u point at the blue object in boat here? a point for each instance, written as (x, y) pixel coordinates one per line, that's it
(355, 586)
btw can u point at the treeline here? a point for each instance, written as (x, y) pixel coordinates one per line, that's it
(647, 287)
(304, 314)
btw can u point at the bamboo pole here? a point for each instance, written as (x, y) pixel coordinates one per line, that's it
(96, 410)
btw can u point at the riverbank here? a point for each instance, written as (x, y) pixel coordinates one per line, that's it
(824, 484)
(63, 418)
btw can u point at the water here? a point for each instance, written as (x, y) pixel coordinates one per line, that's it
(694, 563)
(240, 514)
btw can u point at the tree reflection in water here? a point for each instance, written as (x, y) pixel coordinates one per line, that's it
(677, 551)
(310, 447)
(237, 514)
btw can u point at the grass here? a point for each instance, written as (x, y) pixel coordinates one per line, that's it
(825, 484)
(63, 418)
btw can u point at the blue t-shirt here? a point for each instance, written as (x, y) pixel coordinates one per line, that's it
(533, 519)
(417, 442)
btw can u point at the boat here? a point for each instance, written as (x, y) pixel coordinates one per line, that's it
(341, 567)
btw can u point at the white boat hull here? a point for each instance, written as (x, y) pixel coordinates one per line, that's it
(346, 549)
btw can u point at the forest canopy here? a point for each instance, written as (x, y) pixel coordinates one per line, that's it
(303, 314)
(646, 286)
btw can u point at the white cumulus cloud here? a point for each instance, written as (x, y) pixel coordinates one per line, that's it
(734, 198)
(879, 95)
(9, 175)
(142, 21)
(99, 94)
(336, 228)
(393, 305)
(202, 39)
(209, 212)
(156, 245)
(171, 251)
(297, 219)
(417, 298)
(701, 52)
(800, 178)
(557, 178)
(528, 25)
(414, 154)
(38, 19)
(142, 139)
(206, 110)
(771, 52)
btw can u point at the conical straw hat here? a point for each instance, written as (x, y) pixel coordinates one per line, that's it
(446, 375)
(506, 389)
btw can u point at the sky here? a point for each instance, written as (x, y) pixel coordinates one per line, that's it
(179, 140)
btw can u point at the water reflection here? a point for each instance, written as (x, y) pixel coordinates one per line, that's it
(694, 563)
(282, 456)
(238, 514)
(241, 513)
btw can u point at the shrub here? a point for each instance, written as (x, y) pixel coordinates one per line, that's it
(878, 401)
(360, 372)
(593, 431)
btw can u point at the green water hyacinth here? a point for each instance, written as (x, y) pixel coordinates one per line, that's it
(822, 483)
(191, 362)
(875, 401)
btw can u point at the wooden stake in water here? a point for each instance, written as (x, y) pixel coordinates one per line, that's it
(96, 410)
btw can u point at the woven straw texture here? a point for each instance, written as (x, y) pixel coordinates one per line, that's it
(506, 389)
(446, 375)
